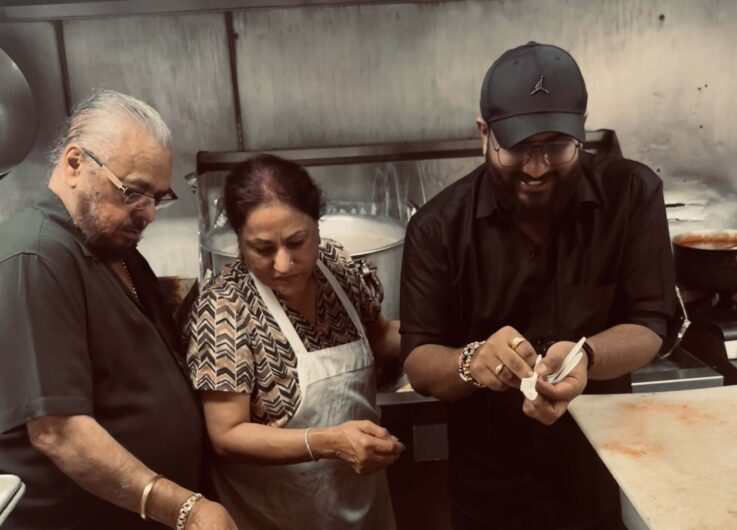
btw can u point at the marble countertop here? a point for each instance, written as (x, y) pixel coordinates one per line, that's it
(674, 454)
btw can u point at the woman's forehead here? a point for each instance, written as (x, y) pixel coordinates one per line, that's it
(276, 217)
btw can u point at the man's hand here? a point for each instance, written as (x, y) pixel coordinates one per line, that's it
(553, 400)
(499, 366)
(208, 515)
(366, 446)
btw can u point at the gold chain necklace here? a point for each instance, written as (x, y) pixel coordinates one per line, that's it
(130, 279)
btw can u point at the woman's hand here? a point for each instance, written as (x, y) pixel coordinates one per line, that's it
(366, 446)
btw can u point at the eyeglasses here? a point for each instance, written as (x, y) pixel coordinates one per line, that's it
(555, 152)
(135, 199)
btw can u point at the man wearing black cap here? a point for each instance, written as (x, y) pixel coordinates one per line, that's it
(542, 245)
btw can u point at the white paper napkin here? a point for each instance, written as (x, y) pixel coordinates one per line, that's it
(527, 384)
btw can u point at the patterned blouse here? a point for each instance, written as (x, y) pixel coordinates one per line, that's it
(235, 345)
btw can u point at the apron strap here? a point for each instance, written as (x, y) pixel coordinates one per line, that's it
(343, 297)
(277, 311)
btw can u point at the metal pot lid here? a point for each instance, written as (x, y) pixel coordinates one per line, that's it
(18, 117)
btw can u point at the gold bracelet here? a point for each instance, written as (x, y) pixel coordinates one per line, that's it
(147, 489)
(307, 445)
(185, 509)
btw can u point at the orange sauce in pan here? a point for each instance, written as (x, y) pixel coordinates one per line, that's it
(715, 241)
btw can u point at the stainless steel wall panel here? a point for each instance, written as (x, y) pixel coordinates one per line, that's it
(355, 74)
(658, 72)
(178, 64)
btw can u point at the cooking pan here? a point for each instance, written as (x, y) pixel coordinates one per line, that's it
(706, 260)
(18, 121)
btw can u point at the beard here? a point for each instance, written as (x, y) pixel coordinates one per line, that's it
(538, 208)
(100, 241)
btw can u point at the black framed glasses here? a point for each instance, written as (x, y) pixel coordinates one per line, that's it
(135, 199)
(555, 152)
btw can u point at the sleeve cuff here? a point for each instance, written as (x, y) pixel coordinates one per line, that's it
(410, 341)
(656, 325)
(44, 406)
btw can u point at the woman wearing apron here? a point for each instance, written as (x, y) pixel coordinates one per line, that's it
(282, 349)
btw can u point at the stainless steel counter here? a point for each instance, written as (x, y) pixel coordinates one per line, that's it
(679, 371)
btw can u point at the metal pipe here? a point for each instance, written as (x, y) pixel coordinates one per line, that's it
(233, 59)
(63, 65)
(113, 8)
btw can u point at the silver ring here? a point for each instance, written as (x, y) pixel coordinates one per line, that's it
(516, 342)
(498, 369)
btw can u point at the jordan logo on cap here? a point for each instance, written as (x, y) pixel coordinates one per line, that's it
(539, 86)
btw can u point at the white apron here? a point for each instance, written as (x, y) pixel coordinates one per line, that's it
(337, 385)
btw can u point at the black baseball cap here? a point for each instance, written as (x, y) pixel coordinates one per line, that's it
(531, 89)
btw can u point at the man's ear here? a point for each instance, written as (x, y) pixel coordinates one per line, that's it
(483, 132)
(71, 161)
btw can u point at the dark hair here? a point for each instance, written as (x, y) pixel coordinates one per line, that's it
(267, 178)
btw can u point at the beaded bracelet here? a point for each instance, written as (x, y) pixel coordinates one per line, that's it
(186, 509)
(464, 363)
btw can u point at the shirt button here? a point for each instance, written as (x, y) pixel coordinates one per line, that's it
(534, 256)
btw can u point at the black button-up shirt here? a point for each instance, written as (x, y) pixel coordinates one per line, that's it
(468, 271)
(73, 340)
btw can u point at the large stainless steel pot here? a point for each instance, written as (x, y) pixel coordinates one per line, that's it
(377, 239)
(707, 260)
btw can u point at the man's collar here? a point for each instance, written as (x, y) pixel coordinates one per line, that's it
(52, 207)
(487, 204)
(585, 193)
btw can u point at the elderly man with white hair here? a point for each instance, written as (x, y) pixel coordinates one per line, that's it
(96, 413)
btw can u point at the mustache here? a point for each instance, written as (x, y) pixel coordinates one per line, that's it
(137, 224)
(519, 175)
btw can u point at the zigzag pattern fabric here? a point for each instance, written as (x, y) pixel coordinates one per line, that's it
(235, 344)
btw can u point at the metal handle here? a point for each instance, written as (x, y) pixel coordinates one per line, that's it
(685, 323)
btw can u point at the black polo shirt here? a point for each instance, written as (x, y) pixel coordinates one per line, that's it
(468, 271)
(75, 341)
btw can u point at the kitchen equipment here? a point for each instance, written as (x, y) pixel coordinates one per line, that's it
(706, 267)
(678, 371)
(367, 212)
(18, 120)
(377, 239)
(707, 260)
(712, 337)
(677, 325)
(11, 490)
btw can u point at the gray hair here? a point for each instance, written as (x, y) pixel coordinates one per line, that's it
(90, 121)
